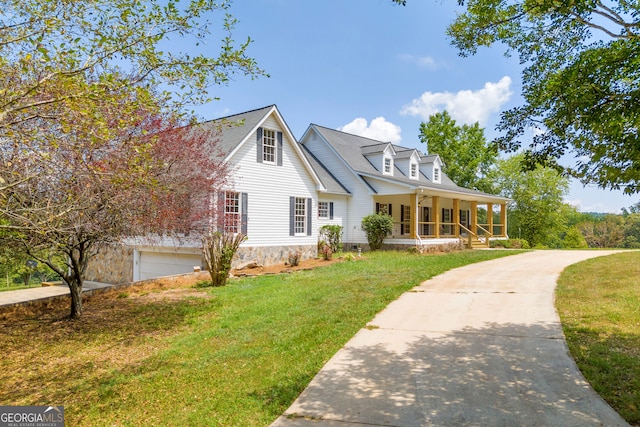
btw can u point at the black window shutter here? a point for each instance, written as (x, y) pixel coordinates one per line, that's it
(377, 208)
(330, 210)
(309, 216)
(401, 219)
(390, 214)
(244, 213)
(259, 144)
(279, 156)
(292, 211)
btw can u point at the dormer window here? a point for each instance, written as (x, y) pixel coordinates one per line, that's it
(436, 174)
(414, 171)
(388, 164)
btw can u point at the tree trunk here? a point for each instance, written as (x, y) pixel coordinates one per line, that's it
(76, 299)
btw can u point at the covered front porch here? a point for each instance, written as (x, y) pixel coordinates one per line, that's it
(427, 216)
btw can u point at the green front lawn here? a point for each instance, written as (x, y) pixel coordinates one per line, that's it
(599, 303)
(232, 356)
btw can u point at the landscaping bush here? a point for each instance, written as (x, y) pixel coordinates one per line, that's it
(377, 227)
(219, 249)
(510, 244)
(332, 235)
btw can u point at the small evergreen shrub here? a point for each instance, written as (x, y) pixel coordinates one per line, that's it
(377, 227)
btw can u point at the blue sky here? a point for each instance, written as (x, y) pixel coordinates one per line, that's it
(376, 69)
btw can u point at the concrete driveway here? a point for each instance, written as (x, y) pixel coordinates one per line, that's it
(480, 345)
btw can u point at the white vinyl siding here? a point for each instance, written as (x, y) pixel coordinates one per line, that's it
(269, 189)
(349, 212)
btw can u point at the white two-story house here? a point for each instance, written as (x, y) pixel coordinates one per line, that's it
(282, 191)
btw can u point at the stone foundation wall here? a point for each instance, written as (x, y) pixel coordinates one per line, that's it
(270, 255)
(427, 247)
(112, 264)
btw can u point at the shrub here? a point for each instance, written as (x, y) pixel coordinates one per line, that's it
(332, 234)
(510, 244)
(349, 257)
(327, 253)
(574, 239)
(294, 259)
(219, 249)
(377, 227)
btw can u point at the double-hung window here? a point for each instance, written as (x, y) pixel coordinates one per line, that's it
(231, 212)
(300, 216)
(323, 209)
(234, 207)
(268, 146)
(387, 165)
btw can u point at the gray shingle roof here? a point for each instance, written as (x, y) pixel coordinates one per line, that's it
(350, 148)
(332, 185)
(234, 129)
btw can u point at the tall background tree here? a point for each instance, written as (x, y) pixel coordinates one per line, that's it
(537, 213)
(581, 82)
(467, 156)
(92, 105)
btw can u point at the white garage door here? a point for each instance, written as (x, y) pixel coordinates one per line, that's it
(158, 264)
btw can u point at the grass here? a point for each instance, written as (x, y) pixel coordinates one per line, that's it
(599, 304)
(236, 355)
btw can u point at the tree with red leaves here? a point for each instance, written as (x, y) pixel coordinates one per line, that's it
(69, 189)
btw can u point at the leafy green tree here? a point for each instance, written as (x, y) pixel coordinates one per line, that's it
(464, 150)
(581, 81)
(377, 227)
(574, 239)
(537, 213)
(91, 101)
(56, 54)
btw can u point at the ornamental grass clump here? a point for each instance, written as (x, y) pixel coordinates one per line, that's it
(219, 249)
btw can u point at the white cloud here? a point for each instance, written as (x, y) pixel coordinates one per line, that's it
(379, 129)
(421, 61)
(465, 106)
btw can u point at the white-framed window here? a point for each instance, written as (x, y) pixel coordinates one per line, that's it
(232, 216)
(414, 171)
(388, 164)
(323, 209)
(269, 146)
(300, 216)
(436, 174)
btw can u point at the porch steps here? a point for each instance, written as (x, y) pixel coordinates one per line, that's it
(478, 244)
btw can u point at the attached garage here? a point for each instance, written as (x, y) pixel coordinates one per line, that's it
(159, 264)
